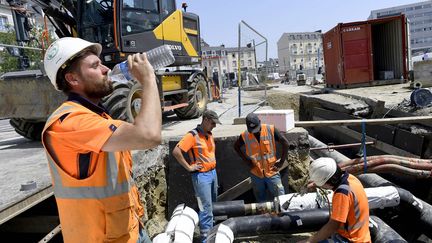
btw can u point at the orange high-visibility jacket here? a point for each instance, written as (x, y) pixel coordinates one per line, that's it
(105, 206)
(202, 150)
(350, 207)
(262, 154)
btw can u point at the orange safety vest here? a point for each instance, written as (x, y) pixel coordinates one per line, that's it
(201, 153)
(262, 154)
(103, 207)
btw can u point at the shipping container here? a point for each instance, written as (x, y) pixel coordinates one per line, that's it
(372, 52)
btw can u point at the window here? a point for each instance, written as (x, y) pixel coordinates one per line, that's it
(223, 53)
(234, 63)
(223, 62)
(249, 62)
(213, 53)
(242, 63)
(3, 23)
(167, 7)
(249, 54)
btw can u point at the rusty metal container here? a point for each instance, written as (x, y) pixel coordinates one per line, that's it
(372, 52)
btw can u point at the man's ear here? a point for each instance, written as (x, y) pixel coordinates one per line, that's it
(71, 78)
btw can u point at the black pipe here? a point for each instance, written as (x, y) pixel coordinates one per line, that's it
(239, 208)
(293, 222)
(422, 211)
(229, 208)
(296, 222)
(381, 232)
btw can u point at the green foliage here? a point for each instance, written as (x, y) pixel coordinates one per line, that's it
(10, 63)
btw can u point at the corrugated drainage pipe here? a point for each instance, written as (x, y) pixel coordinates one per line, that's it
(297, 222)
(381, 232)
(422, 209)
(181, 226)
(338, 157)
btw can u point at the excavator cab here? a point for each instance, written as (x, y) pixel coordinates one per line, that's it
(130, 26)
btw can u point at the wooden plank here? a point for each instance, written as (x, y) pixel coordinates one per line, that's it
(236, 190)
(409, 141)
(389, 149)
(358, 122)
(384, 133)
(331, 115)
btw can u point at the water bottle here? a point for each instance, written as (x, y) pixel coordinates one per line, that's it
(158, 57)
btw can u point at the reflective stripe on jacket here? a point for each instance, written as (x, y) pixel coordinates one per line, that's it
(103, 207)
(201, 153)
(262, 154)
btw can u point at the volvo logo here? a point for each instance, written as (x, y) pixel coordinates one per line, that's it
(175, 47)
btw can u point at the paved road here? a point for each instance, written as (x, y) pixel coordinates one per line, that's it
(21, 161)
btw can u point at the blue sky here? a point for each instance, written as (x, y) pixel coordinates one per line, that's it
(220, 18)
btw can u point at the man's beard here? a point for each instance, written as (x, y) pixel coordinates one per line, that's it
(99, 90)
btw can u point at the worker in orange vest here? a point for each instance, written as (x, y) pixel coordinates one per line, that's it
(88, 151)
(349, 219)
(196, 153)
(260, 155)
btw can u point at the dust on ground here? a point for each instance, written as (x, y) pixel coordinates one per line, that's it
(280, 100)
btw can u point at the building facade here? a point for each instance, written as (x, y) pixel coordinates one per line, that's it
(6, 20)
(300, 51)
(224, 60)
(420, 18)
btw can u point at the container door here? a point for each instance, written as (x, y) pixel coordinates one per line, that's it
(357, 53)
(333, 57)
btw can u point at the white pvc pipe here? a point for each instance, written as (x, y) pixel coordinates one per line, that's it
(180, 228)
(224, 234)
(378, 197)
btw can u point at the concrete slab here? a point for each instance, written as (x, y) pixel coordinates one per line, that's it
(21, 161)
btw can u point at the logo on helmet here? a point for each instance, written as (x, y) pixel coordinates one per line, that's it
(52, 51)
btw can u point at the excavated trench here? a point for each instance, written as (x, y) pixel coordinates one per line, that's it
(158, 175)
(164, 184)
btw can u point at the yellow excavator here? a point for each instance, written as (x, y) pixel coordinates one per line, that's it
(122, 27)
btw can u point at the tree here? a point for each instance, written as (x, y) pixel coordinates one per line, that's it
(9, 62)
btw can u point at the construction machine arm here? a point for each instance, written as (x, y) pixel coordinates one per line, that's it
(61, 15)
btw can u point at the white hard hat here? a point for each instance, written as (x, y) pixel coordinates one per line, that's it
(321, 170)
(63, 50)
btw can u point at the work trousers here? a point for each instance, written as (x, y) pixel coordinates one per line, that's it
(143, 236)
(272, 184)
(205, 185)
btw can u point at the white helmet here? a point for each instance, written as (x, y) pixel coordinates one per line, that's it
(63, 50)
(321, 170)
